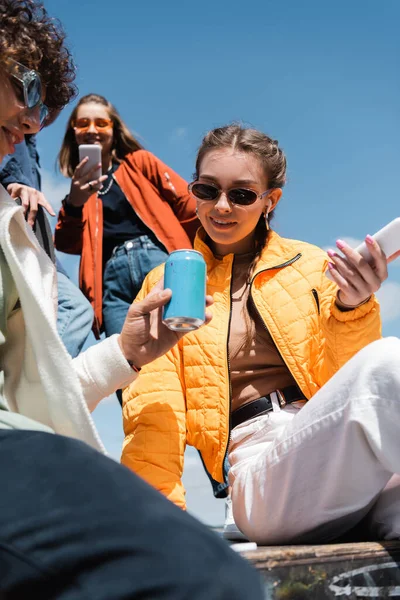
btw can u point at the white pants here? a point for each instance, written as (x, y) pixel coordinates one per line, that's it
(308, 474)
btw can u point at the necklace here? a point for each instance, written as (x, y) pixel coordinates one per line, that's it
(104, 192)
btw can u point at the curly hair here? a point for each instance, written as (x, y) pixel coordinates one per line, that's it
(29, 36)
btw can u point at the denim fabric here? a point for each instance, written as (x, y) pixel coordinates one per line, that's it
(123, 277)
(74, 316)
(22, 166)
(76, 525)
(220, 490)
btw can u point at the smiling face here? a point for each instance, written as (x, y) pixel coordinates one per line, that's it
(15, 119)
(93, 135)
(231, 226)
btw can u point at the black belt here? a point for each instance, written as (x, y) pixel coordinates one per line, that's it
(264, 404)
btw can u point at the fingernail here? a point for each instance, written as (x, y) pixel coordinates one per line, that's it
(331, 266)
(331, 253)
(369, 239)
(341, 244)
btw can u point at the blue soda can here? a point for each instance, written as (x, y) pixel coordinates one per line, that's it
(185, 274)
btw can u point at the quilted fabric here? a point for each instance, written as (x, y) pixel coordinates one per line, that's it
(184, 396)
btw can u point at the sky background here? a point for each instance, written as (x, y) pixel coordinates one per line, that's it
(322, 78)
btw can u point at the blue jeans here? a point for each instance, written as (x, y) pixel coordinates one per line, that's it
(74, 316)
(220, 490)
(123, 277)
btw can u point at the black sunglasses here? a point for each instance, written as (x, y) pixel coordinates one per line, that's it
(210, 193)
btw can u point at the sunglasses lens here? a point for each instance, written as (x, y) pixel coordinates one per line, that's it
(82, 124)
(242, 196)
(33, 92)
(203, 191)
(102, 123)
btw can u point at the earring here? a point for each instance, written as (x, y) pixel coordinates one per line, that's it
(266, 220)
(197, 212)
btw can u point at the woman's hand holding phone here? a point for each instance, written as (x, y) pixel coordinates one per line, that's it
(362, 270)
(84, 183)
(357, 278)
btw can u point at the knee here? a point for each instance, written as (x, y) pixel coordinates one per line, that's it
(383, 354)
(379, 365)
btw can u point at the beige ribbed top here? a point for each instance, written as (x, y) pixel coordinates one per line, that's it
(255, 363)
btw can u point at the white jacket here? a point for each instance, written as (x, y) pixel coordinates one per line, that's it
(41, 380)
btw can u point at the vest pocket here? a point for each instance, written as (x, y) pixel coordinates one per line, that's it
(315, 294)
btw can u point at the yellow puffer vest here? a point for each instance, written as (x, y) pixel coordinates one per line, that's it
(184, 396)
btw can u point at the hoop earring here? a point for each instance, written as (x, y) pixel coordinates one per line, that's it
(266, 220)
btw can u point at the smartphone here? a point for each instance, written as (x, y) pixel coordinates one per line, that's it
(388, 239)
(93, 152)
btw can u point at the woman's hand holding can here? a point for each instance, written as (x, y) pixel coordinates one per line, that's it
(144, 337)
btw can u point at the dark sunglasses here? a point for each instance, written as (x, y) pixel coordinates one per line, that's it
(210, 193)
(28, 88)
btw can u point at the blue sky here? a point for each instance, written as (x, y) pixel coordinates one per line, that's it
(322, 78)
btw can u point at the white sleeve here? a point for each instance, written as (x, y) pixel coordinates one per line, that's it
(102, 369)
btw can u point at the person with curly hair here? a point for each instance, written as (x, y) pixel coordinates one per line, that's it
(73, 523)
(20, 175)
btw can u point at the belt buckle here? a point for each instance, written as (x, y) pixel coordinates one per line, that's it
(281, 398)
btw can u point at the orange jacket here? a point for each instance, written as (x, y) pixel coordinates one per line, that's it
(184, 396)
(159, 197)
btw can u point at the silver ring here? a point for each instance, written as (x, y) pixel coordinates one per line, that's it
(90, 187)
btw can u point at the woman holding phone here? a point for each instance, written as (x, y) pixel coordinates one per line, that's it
(124, 222)
(280, 381)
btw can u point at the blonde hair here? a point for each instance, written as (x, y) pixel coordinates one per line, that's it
(123, 141)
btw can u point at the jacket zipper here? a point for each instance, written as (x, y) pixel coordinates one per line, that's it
(225, 478)
(281, 266)
(315, 294)
(139, 216)
(96, 237)
(286, 264)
